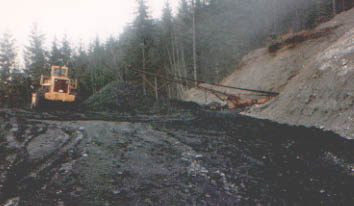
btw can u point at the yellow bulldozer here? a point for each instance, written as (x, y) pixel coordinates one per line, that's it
(55, 88)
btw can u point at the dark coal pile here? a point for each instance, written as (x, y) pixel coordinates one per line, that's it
(196, 158)
(121, 97)
(128, 98)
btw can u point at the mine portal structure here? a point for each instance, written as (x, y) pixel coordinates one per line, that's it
(57, 87)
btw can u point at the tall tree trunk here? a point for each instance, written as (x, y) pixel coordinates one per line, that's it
(171, 70)
(334, 7)
(93, 82)
(169, 91)
(194, 47)
(175, 60)
(144, 76)
(116, 68)
(184, 67)
(156, 89)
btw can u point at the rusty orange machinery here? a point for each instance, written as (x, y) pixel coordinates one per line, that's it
(235, 101)
(57, 87)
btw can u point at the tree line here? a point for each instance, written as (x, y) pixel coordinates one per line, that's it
(204, 40)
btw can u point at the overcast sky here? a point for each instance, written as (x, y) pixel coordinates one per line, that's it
(79, 19)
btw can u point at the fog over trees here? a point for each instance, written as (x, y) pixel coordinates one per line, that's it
(222, 31)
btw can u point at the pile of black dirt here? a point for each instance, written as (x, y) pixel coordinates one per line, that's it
(120, 97)
(129, 98)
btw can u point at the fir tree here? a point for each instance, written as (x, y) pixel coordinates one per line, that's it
(7, 57)
(36, 57)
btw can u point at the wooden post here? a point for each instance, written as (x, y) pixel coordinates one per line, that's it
(334, 7)
(156, 90)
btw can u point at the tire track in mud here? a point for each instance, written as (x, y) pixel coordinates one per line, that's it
(30, 150)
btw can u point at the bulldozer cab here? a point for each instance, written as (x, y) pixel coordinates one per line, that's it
(58, 71)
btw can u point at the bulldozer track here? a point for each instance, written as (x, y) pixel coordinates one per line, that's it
(36, 155)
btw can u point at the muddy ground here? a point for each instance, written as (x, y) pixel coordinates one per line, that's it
(194, 157)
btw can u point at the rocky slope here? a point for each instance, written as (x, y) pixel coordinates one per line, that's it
(315, 79)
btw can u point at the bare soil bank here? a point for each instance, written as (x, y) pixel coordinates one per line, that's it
(314, 78)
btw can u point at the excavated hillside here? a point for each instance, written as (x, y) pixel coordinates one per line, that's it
(312, 70)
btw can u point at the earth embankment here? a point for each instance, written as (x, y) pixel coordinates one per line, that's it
(313, 71)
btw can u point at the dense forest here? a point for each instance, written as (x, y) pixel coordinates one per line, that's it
(204, 40)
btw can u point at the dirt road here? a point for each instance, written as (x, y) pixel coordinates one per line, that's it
(189, 158)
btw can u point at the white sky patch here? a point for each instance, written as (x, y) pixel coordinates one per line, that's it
(80, 20)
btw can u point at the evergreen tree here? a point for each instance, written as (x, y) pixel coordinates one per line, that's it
(143, 23)
(167, 25)
(143, 28)
(55, 54)
(80, 65)
(19, 94)
(7, 65)
(184, 35)
(7, 57)
(112, 59)
(143, 43)
(97, 68)
(166, 36)
(166, 44)
(36, 57)
(62, 55)
(66, 51)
